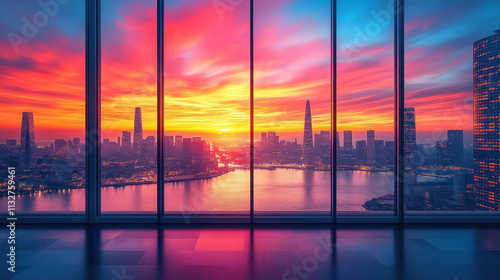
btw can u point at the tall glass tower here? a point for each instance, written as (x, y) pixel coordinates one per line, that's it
(308, 150)
(137, 129)
(487, 123)
(27, 139)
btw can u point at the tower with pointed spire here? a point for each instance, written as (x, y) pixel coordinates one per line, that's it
(137, 129)
(308, 149)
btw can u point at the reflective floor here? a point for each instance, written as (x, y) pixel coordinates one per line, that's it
(124, 252)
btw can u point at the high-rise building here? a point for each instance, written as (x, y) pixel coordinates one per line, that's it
(137, 129)
(456, 140)
(308, 149)
(370, 144)
(361, 150)
(263, 138)
(487, 122)
(178, 141)
(186, 151)
(443, 153)
(322, 146)
(389, 152)
(410, 136)
(126, 140)
(379, 151)
(348, 141)
(168, 143)
(150, 144)
(27, 139)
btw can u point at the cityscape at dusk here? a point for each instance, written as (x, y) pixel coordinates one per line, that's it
(250, 139)
(207, 106)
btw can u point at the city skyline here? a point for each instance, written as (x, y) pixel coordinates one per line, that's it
(50, 127)
(207, 101)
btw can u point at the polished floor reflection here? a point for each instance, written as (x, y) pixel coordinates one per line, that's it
(452, 252)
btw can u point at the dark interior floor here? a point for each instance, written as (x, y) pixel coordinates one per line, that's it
(295, 252)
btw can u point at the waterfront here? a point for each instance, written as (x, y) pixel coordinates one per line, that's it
(280, 190)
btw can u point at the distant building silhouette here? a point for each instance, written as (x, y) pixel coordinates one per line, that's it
(186, 151)
(137, 129)
(410, 136)
(126, 140)
(443, 153)
(348, 141)
(370, 144)
(263, 138)
(361, 150)
(487, 123)
(27, 139)
(307, 149)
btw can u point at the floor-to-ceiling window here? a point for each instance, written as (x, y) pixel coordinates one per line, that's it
(365, 107)
(450, 125)
(207, 108)
(42, 100)
(292, 107)
(128, 106)
(451, 114)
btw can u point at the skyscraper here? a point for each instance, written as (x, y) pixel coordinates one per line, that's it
(27, 139)
(178, 141)
(379, 151)
(137, 129)
(322, 146)
(126, 140)
(307, 149)
(168, 145)
(370, 144)
(348, 141)
(361, 150)
(443, 153)
(487, 122)
(186, 152)
(263, 138)
(410, 136)
(456, 146)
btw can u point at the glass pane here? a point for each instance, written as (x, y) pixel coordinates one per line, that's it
(292, 107)
(128, 106)
(42, 96)
(365, 108)
(207, 107)
(452, 137)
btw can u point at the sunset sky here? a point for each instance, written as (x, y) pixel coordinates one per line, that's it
(207, 67)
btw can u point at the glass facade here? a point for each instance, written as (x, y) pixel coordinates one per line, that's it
(207, 109)
(42, 100)
(128, 107)
(292, 108)
(451, 112)
(365, 108)
(251, 95)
